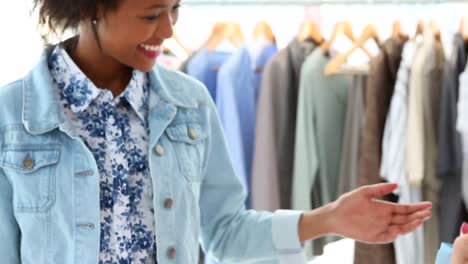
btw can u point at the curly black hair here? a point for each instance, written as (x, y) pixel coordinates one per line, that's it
(61, 15)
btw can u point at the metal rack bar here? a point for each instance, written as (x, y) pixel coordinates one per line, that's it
(313, 2)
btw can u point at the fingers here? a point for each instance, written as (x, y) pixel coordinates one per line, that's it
(459, 250)
(410, 227)
(405, 208)
(394, 230)
(378, 190)
(401, 219)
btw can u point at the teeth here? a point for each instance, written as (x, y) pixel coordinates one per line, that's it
(149, 47)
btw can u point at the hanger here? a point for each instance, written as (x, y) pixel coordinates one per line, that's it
(369, 32)
(310, 30)
(435, 29)
(174, 46)
(397, 32)
(216, 31)
(230, 32)
(341, 27)
(238, 33)
(176, 38)
(420, 28)
(345, 28)
(262, 29)
(463, 29)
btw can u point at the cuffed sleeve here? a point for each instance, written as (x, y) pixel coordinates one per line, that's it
(285, 228)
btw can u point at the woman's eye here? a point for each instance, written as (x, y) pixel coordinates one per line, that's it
(151, 18)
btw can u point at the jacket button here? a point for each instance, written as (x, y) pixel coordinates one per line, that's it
(28, 163)
(159, 150)
(171, 252)
(168, 203)
(192, 133)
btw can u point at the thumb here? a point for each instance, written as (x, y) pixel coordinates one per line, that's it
(378, 190)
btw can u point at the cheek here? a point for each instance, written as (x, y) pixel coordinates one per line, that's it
(125, 39)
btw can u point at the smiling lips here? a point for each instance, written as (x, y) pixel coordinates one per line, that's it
(151, 51)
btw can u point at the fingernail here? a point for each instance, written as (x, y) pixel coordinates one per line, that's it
(464, 229)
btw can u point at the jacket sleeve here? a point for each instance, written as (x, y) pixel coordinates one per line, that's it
(9, 230)
(230, 232)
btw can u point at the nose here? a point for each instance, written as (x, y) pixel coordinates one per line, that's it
(165, 29)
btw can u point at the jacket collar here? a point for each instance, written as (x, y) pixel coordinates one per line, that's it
(41, 111)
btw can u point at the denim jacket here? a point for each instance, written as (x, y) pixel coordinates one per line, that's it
(49, 186)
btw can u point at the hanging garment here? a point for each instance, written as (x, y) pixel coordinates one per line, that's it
(380, 85)
(204, 66)
(275, 128)
(238, 84)
(321, 113)
(449, 159)
(409, 249)
(462, 127)
(184, 65)
(320, 124)
(421, 148)
(348, 177)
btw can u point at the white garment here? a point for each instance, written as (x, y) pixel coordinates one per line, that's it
(462, 127)
(341, 251)
(409, 249)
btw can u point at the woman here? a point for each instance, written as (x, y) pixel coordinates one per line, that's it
(106, 158)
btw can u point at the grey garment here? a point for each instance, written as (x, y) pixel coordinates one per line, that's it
(275, 128)
(317, 246)
(431, 184)
(319, 131)
(321, 112)
(349, 165)
(449, 160)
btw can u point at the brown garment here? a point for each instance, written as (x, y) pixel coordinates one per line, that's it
(380, 85)
(275, 128)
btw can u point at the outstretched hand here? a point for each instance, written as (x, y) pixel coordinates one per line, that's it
(361, 216)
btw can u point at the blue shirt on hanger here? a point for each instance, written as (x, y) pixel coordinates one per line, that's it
(204, 66)
(237, 89)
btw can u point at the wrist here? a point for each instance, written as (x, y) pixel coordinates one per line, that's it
(317, 223)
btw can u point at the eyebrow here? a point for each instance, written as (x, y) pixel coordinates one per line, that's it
(156, 6)
(160, 6)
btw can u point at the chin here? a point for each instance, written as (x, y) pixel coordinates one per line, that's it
(146, 67)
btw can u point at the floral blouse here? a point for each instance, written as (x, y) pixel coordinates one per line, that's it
(115, 130)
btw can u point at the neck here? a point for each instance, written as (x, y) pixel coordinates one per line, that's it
(103, 70)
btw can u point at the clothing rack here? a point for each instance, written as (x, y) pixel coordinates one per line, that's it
(313, 2)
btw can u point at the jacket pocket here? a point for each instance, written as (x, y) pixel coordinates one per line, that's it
(188, 142)
(31, 170)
